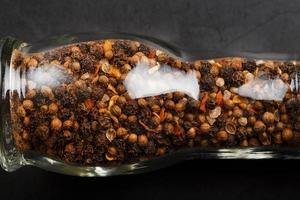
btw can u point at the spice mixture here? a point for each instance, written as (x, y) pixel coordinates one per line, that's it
(76, 108)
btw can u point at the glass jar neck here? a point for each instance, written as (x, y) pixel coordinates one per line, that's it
(10, 157)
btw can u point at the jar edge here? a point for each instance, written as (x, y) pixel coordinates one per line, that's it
(10, 158)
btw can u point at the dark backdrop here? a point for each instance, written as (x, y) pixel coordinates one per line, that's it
(238, 25)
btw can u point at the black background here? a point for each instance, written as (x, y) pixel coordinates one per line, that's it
(238, 25)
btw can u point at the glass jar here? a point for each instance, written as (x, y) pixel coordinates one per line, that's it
(111, 104)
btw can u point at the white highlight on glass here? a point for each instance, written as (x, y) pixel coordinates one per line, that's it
(145, 81)
(261, 89)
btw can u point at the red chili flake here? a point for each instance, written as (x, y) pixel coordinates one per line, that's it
(89, 104)
(162, 115)
(219, 98)
(152, 53)
(178, 130)
(203, 102)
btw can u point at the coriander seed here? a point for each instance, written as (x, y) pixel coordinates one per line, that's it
(132, 138)
(56, 124)
(143, 140)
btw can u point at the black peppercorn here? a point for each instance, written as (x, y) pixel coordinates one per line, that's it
(237, 79)
(211, 103)
(88, 63)
(226, 73)
(207, 82)
(249, 66)
(131, 108)
(205, 68)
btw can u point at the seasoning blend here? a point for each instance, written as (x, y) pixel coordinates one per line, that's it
(116, 102)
